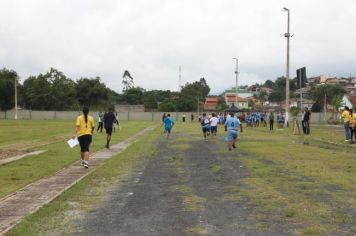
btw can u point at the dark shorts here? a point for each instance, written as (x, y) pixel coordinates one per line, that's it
(168, 129)
(108, 130)
(206, 129)
(214, 128)
(84, 142)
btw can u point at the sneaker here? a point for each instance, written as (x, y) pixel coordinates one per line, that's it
(86, 165)
(233, 146)
(82, 163)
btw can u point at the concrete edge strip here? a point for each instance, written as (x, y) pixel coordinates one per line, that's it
(128, 141)
(15, 158)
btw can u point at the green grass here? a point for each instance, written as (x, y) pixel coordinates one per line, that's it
(60, 216)
(301, 180)
(309, 185)
(18, 174)
(306, 181)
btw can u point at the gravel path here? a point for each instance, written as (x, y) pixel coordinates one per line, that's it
(182, 191)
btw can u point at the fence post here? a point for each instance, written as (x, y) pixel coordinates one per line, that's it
(30, 114)
(128, 116)
(176, 116)
(152, 116)
(5, 115)
(55, 115)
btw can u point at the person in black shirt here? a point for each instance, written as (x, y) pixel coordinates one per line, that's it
(306, 121)
(109, 119)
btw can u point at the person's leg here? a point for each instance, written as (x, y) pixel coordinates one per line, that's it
(108, 137)
(347, 131)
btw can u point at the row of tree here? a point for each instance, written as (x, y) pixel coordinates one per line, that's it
(55, 91)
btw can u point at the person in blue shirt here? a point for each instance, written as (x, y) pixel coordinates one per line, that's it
(168, 124)
(232, 125)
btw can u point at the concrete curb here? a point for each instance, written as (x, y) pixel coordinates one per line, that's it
(26, 201)
(15, 158)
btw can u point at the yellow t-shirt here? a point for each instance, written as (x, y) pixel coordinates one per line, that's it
(346, 116)
(85, 128)
(352, 123)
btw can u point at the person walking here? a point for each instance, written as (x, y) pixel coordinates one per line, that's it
(84, 130)
(271, 120)
(100, 122)
(306, 121)
(232, 132)
(352, 126)
(346, 118)
(183, 117)
(168, 124)
(109, 119)
(191, 117)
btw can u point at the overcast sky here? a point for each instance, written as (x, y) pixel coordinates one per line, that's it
(150, 39)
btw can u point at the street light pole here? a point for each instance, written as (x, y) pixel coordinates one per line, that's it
(15, 97)
(237, 74)
(287, 35)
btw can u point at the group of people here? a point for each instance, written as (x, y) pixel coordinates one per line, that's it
(85, 127)
(231, 123)
(349, 119)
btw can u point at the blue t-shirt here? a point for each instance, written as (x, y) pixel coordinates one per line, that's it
(232, 123)
(168, 122)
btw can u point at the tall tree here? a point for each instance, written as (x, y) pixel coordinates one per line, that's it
(127, 80)
(7, 88)
(325, 93)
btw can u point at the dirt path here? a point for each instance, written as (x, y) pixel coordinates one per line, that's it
(183, 191)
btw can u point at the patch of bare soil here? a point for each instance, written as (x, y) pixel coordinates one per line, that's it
(7, 153)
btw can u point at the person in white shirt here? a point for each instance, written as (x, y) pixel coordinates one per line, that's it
(214, 124)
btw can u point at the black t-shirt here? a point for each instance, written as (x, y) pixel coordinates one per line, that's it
(109, 119)
(307, 116)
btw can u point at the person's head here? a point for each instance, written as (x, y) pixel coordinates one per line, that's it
(232, 113)
(169, 115)
(85, 110)
(204, 114)
(347, 108)
(306, 108)
(213, 115)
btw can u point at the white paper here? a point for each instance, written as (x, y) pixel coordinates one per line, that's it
(73, 142)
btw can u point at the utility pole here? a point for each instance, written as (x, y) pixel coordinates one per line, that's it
(16, 98)
(237, 74)
(287, 35)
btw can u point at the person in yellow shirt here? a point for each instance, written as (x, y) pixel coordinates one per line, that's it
(346, 118)
(84, 130)
(352, 125)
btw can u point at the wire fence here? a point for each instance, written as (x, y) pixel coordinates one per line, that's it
(124, 116)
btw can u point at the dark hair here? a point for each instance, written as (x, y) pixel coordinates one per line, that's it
(347, 108)
(85, 112)
(232, 113)
(169, 115)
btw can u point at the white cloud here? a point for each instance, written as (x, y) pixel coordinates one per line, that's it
(152, 38)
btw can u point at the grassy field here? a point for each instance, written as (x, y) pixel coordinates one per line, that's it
(306, 181)
(59, 217)
(303, 180)
(50, 136)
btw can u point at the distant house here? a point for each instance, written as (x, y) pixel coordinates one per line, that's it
(211, 103)
(241, 103)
